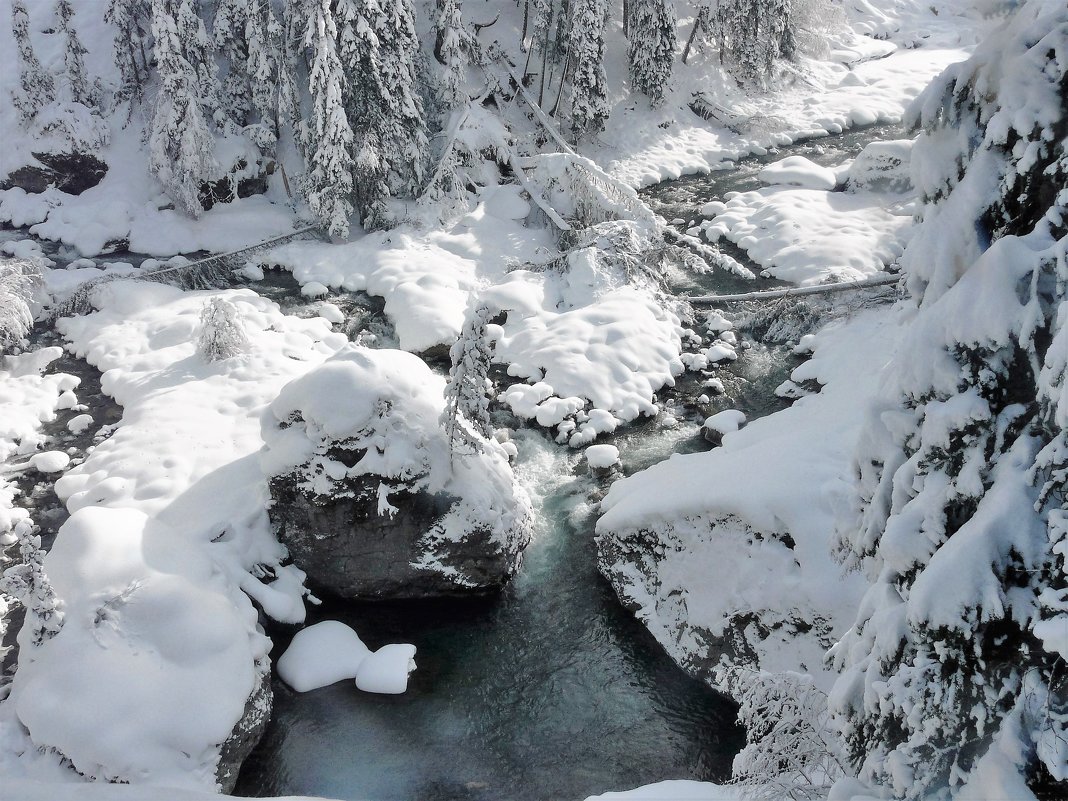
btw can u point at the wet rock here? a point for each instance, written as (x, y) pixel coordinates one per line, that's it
(72, 173)
(348, 549)
(247, 733)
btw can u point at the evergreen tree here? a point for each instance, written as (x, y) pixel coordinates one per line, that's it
(133, 44)
(259, 93)
(73, 55)
(651, 28)
(328, 139)
(378, 47)
(958, 651)
(221, 333)
(36, 87)
(181, 144)
(29, 585)
(449, 50)
(752, 35)
(466, 395)
(589, 92)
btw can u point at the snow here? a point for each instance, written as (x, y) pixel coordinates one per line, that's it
(726, 422)
(167, 523)
(386, 670)
(810, 236)
(675, 790)
(50, 461)
(720, 516)
(798, 171)
(320, 655)
(602, 456)
(79, 424)
(119, 574)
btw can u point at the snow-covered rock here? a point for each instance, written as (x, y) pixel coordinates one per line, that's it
(50, 462)
(725, 555)
(719, 425)
(367, 495)
(153, 630)
(798, 171)
(882, 167)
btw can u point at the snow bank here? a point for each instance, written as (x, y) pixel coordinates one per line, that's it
(168, 524)
(740, 535)
(151, 624)
(808, 236)
(21, 790)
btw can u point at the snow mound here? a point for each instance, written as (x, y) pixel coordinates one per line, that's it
(808, 236)
(320, 655)
(386, 671)
(602, 456)
(798, 171)
(151, 623)
(50, 462)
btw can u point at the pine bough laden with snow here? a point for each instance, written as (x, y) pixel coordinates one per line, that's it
(467, 391)
(28, 584)
(955, 669)
(791, 751)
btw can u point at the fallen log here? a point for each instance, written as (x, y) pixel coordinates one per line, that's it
(772, 294)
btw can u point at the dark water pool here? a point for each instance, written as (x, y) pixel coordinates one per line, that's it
(551, 691)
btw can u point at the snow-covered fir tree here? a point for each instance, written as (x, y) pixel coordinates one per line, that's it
(73, 55)
(36, 87)
(328, 140)
(221, 335)
(589, 85)
(132, 20)
(259, 93)
(28, 583)
(467, 394)
(957, 657)
(450, 51)
(182, 141)
(379, 49)
(652, 40)
(752, 35)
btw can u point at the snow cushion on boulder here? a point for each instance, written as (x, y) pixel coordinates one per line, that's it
(369, 497)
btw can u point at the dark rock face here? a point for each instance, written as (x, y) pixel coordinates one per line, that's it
(350, 550)
(242, 182)
(72, 173)
(247, 733)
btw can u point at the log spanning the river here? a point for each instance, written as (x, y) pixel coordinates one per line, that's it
(772, 294)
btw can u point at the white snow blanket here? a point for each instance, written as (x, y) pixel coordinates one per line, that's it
(720, 518)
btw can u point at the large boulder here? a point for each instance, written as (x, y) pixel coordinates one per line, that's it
(370, 498)
(72, 173)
